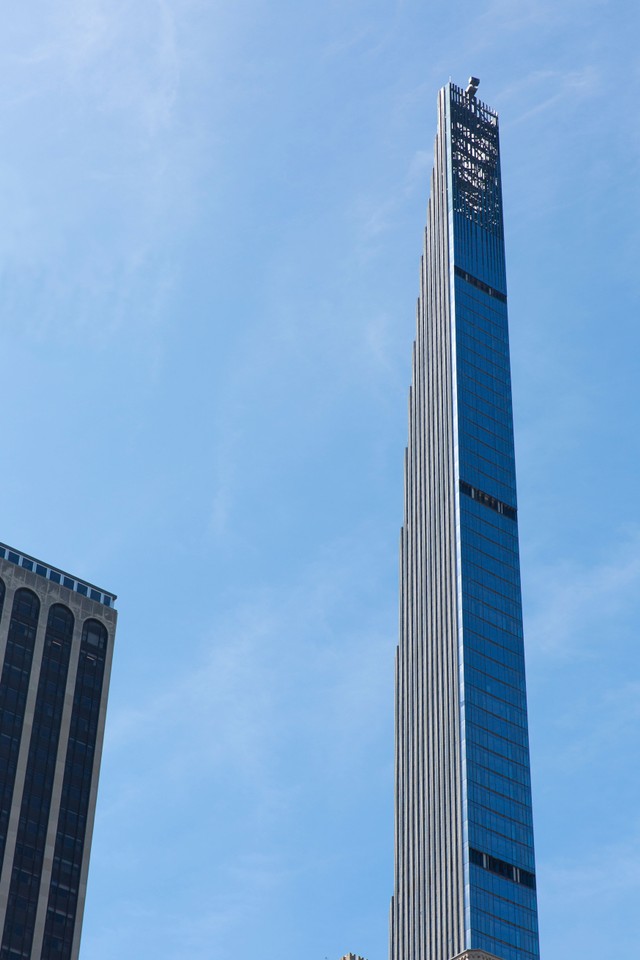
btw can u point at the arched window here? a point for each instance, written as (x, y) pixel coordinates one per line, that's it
(24, 889)
(14, 685)
(59, 623)
(26, 609)
(76, 789)
(94, 635)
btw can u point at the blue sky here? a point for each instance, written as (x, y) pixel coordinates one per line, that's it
(212, 219)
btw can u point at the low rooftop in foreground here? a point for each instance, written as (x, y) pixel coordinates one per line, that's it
(56, 575)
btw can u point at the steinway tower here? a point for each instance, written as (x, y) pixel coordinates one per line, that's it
(465, 873)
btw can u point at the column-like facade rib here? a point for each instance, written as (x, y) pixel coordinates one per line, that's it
(465, 873)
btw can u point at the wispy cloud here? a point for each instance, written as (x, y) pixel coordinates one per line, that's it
(363, 37)
(592, 878)
(91, 182)
(275, 708)
(375, 216)
(109, 55)
(271, 659)
(543, 90)
(541, 16)
(578, 604)
(590, 894)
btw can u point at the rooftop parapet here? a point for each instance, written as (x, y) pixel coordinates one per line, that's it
(45, 570)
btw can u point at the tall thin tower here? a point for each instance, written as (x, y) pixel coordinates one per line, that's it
(465, 872)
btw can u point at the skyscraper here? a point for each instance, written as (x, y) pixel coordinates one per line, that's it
(56, 643)
(465, 873)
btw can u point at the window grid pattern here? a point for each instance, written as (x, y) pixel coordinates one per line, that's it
(14, 686)
(498, 821)
(462, 757)
(76, 787)
(38, 785)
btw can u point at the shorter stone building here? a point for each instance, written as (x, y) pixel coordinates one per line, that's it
(56, 644)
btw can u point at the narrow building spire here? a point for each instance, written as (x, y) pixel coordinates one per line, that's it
(465, 883)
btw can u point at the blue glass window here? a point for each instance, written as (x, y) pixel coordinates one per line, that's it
(14, 685)
(36, 801)
(72, 821)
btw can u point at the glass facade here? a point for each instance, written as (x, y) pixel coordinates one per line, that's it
(38, 786)
(55, 649)
(465, 871)
(14, 686)
(72, 822)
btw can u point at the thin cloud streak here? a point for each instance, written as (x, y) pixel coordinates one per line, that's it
(579, 602)
(272, 658)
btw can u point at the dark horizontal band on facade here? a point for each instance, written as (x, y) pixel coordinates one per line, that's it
(480, 284)
(488, 501)
(502, 868)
